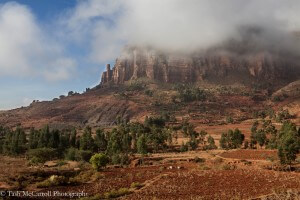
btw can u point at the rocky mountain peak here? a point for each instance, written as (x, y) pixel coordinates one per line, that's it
(214, 65)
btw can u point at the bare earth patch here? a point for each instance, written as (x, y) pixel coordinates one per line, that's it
(249, 154)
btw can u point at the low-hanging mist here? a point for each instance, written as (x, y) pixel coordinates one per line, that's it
(185, 26)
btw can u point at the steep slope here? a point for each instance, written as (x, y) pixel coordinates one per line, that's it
(103, 105)
(92, 108)
(289, 97)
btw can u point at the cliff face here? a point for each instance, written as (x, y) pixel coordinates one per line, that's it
(215, 65)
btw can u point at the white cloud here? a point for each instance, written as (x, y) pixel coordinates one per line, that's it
(27, 50)
(103, 27)
(184, 25)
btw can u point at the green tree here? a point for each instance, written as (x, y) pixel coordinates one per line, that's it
(114, 145)
(86, 140)
(193, 143)
(142, 145)
(44, 137)
(237, 138)
(73, 138)
(202, 136)
(211, 143)
(232, 139)
(289, 143)
(126, 143)
(100, 140)
(32, 141)
(54, 139)
(63, 142)
(224, 141)
(261, 138)
(18, 143)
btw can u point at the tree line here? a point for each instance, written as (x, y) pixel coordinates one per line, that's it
(152, 136)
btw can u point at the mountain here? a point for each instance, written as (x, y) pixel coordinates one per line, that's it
(215, 66)
(235, 79)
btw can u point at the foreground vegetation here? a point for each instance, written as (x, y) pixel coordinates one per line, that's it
(155, 135)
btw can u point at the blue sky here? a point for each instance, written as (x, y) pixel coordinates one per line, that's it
(18, 90)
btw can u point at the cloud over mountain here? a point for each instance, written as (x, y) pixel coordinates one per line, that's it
(179, 25)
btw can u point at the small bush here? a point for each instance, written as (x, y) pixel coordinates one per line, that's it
(115, 159)
(136, 185)
(61, 163)
(116, 193)
(41, 155)
(203, 167)
(54, 180)
(217, 161)
(78, 155)
(83, 176)
(95, 197)
(122, 159)
(184, 147)
(199, 160)
(227, 167)
(229, 120)
(99, 161)
(72, 154)
(136, 86)
(85, 155)
(149, 93)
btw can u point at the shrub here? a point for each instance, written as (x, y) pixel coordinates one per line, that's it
(83, 177)
(99, 161)
(277, 98)
(136, 185)
(115, 159)
(85, 155)
(116, 193)
(71, 154)
(199, 160)
(136, 86)
(227, 167)
(203, 167)
(54, 180)
(78, 155)
(217, 161)
(184, 147)
(41, 155)
(229, 120)
(149, 93)
(124, 159)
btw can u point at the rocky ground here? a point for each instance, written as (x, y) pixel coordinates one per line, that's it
(235, 174)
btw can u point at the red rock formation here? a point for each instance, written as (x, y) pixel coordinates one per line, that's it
(172, 68)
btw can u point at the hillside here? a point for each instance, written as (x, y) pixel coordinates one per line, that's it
(230, 81)
(136, 99)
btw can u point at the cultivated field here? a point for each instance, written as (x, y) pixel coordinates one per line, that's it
(216, 174)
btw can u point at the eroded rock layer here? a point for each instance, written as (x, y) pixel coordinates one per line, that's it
(213, 65)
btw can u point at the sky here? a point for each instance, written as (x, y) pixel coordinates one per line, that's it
(38, 63)
(50, 47)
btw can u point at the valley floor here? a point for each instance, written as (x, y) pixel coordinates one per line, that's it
(216, 174)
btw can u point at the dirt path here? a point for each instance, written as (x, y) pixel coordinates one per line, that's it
(148, 183)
